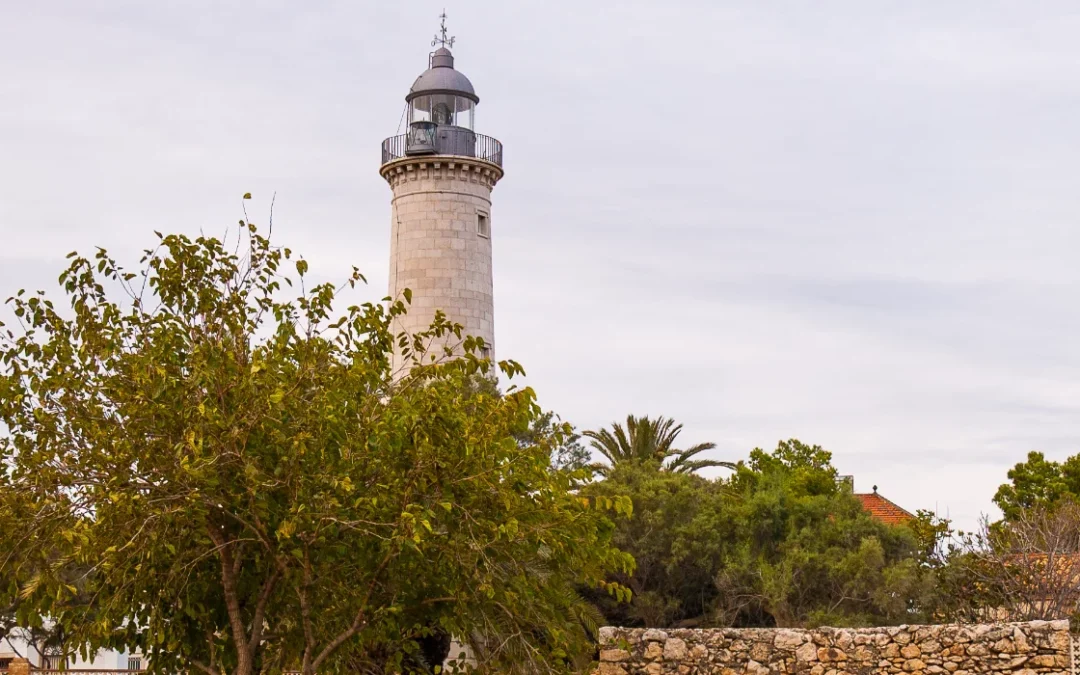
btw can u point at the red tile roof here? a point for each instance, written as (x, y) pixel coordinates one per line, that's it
(882, 509)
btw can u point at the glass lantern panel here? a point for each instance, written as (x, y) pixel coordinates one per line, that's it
(442, 109)
(420, 109)
(464, 116)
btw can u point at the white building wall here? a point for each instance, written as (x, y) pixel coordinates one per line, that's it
(14, 646)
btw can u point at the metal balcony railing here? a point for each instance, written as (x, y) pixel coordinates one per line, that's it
(446, 140)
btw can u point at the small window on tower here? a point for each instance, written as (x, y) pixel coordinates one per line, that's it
(483, 225)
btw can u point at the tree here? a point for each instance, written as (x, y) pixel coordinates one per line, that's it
(804, 552)
(20, 562)
(1025, 565)
(1025, 568)
(676, 550)
(778, 543)
(568, 455)
(244, 487)
(650, 442)
(1038, 482)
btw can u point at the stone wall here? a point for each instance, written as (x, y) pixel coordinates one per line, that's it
(1021, 648)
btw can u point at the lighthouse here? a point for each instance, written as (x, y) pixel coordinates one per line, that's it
(442, 172)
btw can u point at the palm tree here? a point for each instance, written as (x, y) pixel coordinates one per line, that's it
(643, 440)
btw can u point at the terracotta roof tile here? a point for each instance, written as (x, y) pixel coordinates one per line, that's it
(882, 509)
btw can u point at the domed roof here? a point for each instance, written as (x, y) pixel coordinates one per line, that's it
(441, 78)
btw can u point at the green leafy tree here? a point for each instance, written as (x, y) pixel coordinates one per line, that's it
(1038, 483)
(240, 486)
(650, 442)
(780, 542)
(570, 454)
(676, 549)
(805, 553)
(933, 536)
(21, 561)
(16, 507)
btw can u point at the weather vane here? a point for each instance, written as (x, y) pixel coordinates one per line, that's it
(440, 38)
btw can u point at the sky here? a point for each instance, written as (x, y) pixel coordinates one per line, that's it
(850, 222)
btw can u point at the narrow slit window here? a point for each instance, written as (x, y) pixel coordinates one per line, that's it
(483, 225)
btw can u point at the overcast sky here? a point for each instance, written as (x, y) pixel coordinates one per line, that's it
(853, 223)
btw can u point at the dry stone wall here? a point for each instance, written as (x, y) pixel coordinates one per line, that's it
(1034, 648)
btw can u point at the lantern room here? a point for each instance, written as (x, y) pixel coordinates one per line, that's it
(443, 95)
(441, 113)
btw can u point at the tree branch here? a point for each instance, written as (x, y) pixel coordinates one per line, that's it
(260, 609)
(203, 667)
(232, 600)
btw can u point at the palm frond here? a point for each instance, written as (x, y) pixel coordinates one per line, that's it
(641, 440)
(695, 465)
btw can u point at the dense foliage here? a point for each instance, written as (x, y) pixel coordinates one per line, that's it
(1038, 483)
(238, 485)
(781, 542)
(666, 535)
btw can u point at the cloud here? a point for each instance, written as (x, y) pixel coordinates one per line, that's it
(853, 226)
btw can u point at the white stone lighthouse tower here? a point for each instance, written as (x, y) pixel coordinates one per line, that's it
(442, 172)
